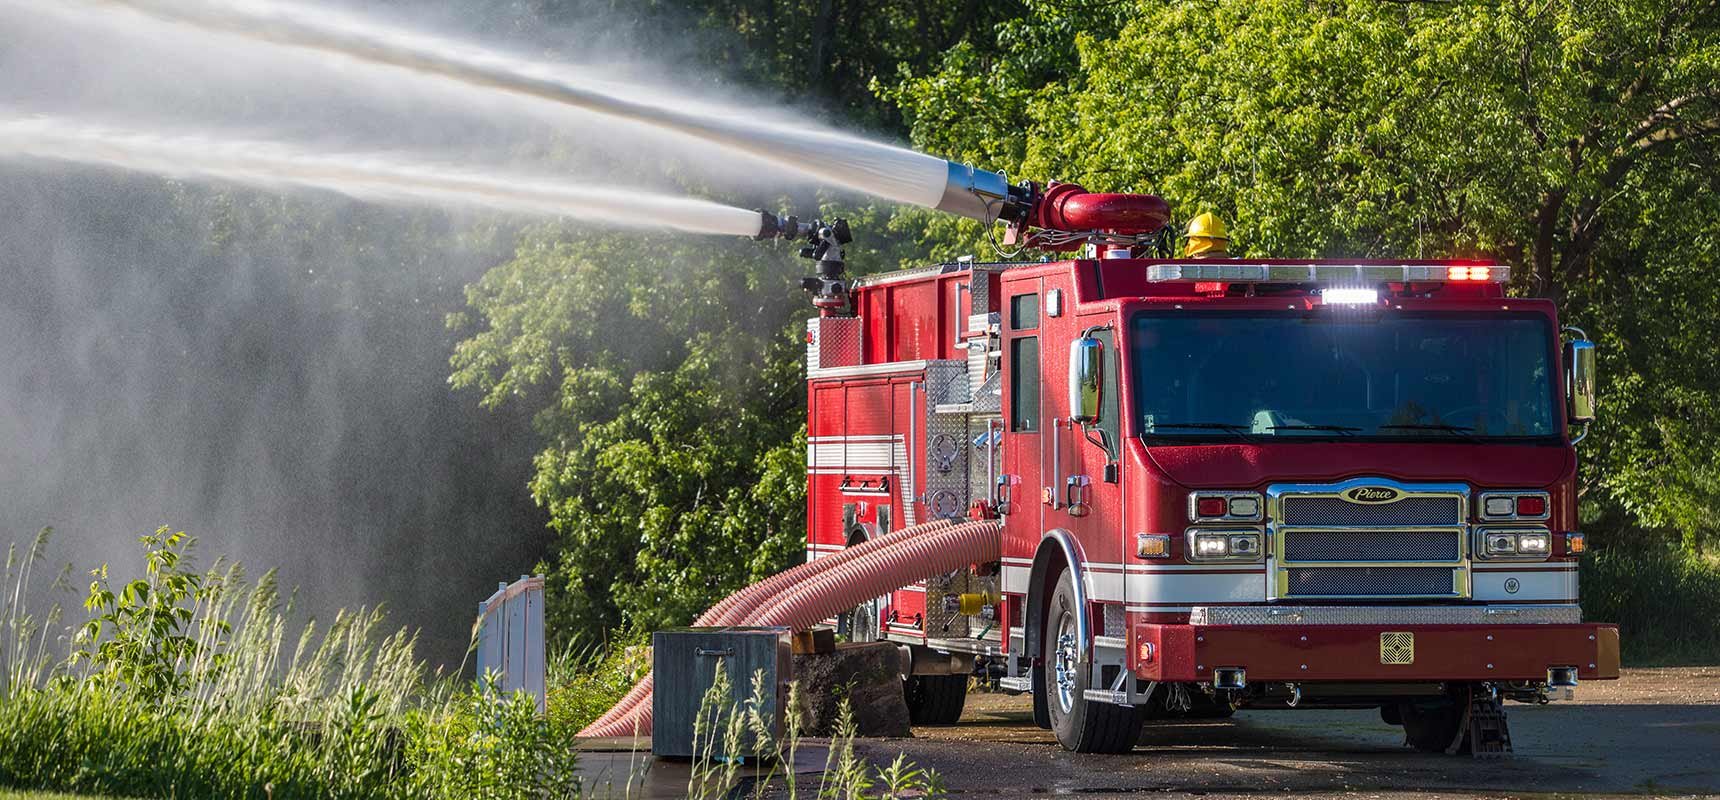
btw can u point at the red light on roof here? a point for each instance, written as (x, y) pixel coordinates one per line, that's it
(1469, 273)
(1531, 506)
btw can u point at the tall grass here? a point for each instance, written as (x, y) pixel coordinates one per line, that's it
(1666, 602)
(194, 684)
(191, 684)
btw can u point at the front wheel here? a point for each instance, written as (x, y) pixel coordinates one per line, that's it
(1081, 725)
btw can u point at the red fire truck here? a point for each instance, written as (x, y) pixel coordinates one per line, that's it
(1232, 483)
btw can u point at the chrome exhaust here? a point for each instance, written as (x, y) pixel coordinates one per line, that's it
(1561, 677)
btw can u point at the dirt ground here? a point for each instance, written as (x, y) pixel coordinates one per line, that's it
(1655, 732)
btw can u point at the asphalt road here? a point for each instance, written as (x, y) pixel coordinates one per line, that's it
(1653, 732)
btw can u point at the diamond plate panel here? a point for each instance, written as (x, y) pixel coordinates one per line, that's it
(1372, 545)
(1386, 615)
(1113, 619)
(832, 342)
(947, 455)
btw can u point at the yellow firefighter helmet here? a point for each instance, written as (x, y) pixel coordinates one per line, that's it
(1207, 237)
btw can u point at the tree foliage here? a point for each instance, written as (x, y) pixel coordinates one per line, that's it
(1574, 140)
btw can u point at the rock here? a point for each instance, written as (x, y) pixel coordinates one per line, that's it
(869, 674)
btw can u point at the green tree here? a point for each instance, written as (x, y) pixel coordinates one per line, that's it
(1574, 140)
(668, 379)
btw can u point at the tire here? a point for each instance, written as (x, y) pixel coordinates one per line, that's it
(936, 699)
(1431, 727)
(1081, 725)
(1391, 714)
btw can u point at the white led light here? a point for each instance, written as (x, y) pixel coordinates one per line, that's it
(1351, 297)
(1211, 546)
(1533, 543)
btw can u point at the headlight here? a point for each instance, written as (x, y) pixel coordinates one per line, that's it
(1529, 544)
(1223, 545)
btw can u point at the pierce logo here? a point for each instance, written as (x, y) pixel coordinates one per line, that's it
(1372, 494)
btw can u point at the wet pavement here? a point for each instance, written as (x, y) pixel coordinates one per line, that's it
(1653, 732)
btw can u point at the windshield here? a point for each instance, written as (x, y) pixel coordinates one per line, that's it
(1251, 375)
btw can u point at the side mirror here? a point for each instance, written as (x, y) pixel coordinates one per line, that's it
(1086, 379)
(1580, 380)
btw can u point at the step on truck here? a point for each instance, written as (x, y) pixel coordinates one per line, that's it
(1224, 482)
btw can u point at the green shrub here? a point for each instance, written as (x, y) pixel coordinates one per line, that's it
(1665, 601)
(184, 684)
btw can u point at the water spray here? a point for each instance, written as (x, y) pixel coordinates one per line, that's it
(1058, 217)
(363, 176)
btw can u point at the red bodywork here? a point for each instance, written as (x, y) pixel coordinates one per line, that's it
(872, 389)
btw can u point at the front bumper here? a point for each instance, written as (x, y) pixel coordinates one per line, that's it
(1441, 652)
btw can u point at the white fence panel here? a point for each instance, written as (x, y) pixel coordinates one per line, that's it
(510, 637)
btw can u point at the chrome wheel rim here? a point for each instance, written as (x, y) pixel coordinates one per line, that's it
(1066, 663)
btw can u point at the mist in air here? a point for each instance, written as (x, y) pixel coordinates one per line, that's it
(230, 233)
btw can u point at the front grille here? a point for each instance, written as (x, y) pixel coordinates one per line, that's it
(1370, 581)
(1372, 546)
(1336, 511)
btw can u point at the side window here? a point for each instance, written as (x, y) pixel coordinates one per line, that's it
(1024, 364)
(1024, 312)
(1024, 383)
(1110, 399)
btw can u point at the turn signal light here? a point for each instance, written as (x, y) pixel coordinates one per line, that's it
(1576, 544)
(1212, 507)
(1531, 505)
(1152, 545)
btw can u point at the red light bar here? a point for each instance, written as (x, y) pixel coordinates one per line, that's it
(1331, 274)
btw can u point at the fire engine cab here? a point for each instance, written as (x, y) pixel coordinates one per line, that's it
(1236, 483)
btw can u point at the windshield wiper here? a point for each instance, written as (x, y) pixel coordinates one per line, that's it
(1241, 430)
(1456, 430)
(1343, 429)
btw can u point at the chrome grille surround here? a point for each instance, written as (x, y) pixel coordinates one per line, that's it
(1327, 546)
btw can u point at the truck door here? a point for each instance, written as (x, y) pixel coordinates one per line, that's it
(1083, 477)
(1022, 415)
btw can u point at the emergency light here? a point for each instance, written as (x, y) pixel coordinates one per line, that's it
(1352, 275)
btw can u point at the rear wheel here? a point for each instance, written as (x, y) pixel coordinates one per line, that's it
(1081, 725)
(936, 699)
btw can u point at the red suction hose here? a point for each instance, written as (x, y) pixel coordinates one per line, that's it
(736, 608)
(799, 598)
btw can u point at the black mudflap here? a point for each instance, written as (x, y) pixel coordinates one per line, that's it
(1489, 735)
